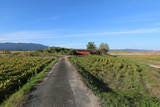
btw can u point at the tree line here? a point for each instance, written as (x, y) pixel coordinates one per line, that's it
(101, 50)
(91, 47)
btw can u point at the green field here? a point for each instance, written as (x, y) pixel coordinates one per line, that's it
(119, 81)
(155, 59)
(15, 71)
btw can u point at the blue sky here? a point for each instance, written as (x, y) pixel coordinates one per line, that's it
(72, 23)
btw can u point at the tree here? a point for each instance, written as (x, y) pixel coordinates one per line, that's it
(91, 47)
(104, 48)
(72, 52)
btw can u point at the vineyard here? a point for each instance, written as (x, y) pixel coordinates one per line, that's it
(16, 71)
(120, 82)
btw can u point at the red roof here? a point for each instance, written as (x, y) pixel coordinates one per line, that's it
(83, 52)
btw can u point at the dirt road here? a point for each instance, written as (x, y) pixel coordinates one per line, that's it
(63, 87)
(154, 66)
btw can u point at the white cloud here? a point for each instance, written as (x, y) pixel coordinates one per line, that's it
(72, 45)
(29, 35)
(52, 18)
(137, 31)
(142, 17)
(50, 34)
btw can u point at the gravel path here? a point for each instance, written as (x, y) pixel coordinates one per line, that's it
(154, 66)
(62, 87)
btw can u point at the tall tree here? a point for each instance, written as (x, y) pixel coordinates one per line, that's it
(91, 47)
(104, 48)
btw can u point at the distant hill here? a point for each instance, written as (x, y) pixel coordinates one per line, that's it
(21, 46)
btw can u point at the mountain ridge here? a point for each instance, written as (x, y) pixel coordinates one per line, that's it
(22, 46)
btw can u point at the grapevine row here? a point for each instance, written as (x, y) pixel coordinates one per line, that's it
(16, 71)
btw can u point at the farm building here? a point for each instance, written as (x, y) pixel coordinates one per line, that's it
(82, 52)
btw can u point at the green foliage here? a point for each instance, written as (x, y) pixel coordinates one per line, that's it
(16, 71)
(117, 81)
(104, 48)
(91, 47)
(17, 99)
(72, 52)
(54, 51)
